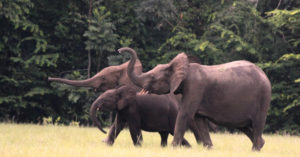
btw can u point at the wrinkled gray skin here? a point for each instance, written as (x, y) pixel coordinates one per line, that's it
(149, 112)
(112, 77)
(235, 94)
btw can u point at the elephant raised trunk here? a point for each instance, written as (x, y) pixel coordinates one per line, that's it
(93, 109)
(136, 79)
(91, 82)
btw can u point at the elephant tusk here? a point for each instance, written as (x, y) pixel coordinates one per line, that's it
(143, 92)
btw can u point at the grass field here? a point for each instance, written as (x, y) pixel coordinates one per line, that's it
(36, 140)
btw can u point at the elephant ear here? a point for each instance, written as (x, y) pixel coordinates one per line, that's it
(179, 67)
(126, 97)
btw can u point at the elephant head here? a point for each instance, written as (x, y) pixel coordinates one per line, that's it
(162, 79)
(108, 78)
(113, 99)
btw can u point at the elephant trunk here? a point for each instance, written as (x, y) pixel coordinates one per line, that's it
(91, 82)
(93, 116)
(136, 79)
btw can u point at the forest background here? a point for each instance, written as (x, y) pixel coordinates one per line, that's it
(75, 39)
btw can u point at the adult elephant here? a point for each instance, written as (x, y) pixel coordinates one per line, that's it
(149, 112)
(112, 77)
(235, 94)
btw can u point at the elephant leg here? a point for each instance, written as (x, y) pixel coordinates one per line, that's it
(180, 127)
(248, 131)
(196, 131)
(164, 138)
(140, 136)
(114, 131)
(186, 113)
(204, 132)
(212, 126)
(134, 132)
(258, 141)
(185, 143)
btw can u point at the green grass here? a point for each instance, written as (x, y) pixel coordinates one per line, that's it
(36, 140)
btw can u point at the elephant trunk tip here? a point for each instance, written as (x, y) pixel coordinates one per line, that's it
(123, 49)
(103, 131)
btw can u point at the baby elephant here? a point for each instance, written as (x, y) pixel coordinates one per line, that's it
(150, 112)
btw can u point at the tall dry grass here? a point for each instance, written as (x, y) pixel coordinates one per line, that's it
(43, 141)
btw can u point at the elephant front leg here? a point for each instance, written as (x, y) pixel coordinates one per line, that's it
(164, 138)
(180, 127)
(134, 135)
(114, 131)
(195, 130)
(185, 117)
(203, 132)
(135, 131)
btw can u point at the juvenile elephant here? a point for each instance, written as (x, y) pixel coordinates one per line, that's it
(108, 78)
(149, 112)
(235, 94)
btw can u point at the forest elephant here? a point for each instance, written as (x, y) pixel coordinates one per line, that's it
(112, 77)
(148, 112)
(235, 94)
(108, 78)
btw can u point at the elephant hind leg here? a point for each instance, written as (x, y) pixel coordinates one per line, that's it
(202, 127)
(258, 141)
(164, 138)
(248, 131)
(259, 122)
(185, 143)
(255, 135)
(258, 127)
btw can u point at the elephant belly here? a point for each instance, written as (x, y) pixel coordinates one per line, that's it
(156, 113)
(237, 109)
(156, 125)
(232, 99)
(235, 115)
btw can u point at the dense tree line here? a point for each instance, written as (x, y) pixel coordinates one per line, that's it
(54, 38)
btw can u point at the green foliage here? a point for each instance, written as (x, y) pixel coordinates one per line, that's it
(101, 36)
(52, 38)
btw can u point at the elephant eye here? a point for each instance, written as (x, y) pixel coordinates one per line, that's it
(103, 78)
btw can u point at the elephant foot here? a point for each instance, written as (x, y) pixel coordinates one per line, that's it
(163, 144)
(175, 144)
(184, 143)
(138, 144)
(208, 146)
(259, 145)
(108, 141)
(187, 145)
